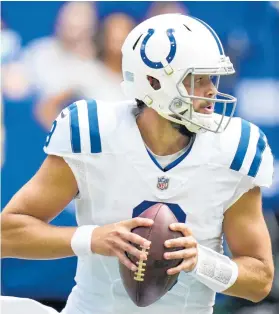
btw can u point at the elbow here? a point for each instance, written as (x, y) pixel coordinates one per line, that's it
(5, 222)
(8, 229)
(4, 234)
(261, 294)
(264, 291)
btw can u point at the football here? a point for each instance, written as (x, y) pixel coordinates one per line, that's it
(151, 281)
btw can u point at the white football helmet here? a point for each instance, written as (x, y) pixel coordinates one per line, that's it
(168, 47)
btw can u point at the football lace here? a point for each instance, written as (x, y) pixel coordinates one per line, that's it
(139, 274)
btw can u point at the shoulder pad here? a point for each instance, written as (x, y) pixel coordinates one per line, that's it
(76, 130)
(252, 155)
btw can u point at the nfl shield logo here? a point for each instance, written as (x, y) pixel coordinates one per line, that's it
(163, 183)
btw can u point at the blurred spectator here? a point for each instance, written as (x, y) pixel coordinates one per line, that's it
(14, 85)
(2, 137)
(10, 44)
(52, 61)
(76, 27)
(167, 7)
(111, 37)
(258, 99)
(93, 79)
(113, 32)
(55, 64)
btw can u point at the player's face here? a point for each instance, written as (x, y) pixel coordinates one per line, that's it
(203, 87)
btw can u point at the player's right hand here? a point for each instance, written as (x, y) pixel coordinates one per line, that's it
(113, 240)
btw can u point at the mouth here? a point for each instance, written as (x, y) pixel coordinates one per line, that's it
(207, 108)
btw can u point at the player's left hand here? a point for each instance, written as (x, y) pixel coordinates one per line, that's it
(189, 254)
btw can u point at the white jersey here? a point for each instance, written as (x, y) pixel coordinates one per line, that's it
(12, 305)
(118, 179)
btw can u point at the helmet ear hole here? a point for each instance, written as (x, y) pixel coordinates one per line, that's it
(154, 83)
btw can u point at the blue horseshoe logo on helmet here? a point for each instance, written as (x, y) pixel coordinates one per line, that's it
(169, 58)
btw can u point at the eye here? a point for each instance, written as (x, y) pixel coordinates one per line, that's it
(198, 80)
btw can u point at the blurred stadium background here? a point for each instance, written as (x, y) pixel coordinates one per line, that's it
(55, 52)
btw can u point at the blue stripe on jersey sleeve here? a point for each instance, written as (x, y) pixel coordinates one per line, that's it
(74, 125)
(94, 132)
(242, 146)
(261, 145)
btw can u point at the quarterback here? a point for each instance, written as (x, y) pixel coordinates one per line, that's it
(167, 145)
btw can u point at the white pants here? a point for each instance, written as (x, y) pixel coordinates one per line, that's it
(12, 305)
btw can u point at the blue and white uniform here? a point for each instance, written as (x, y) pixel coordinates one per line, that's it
(118, 178)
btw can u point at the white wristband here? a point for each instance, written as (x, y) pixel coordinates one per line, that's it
(81, 240)
(215, 270)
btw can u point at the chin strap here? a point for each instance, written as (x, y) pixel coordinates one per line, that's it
(204, 120)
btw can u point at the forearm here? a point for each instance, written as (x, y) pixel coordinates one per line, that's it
(27, 237)
(254, 279)
(245, 277)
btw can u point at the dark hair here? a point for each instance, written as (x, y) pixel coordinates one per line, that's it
(140, 104)
(182, 129)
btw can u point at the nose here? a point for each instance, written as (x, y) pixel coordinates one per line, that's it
(211, 90)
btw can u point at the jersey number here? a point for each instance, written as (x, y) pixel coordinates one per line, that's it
(175, 208)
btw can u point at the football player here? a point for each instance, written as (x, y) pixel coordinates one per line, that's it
(167, 145)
